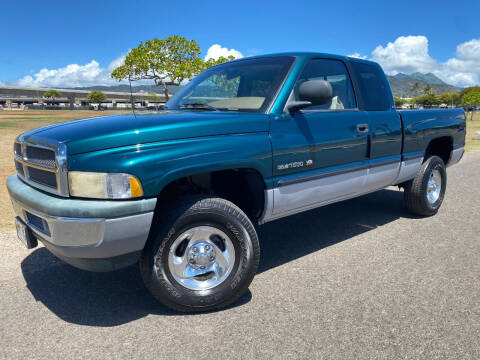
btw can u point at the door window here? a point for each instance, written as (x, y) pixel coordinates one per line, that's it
(335, 72)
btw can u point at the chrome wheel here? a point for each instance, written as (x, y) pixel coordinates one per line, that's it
(434, 186)
(201, 258)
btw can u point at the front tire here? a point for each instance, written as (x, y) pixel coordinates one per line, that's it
(202, 255)
(424, 194)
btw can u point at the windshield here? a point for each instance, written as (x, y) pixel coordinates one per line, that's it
(245, 85)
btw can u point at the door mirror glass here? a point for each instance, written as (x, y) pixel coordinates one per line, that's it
(317, 92)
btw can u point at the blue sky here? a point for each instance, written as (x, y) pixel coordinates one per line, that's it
(76, 42)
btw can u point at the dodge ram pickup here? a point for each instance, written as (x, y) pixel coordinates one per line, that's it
(181, 191)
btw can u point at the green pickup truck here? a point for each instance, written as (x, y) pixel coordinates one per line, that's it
(253, 140)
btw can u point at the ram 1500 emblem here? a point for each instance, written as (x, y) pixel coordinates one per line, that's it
(295, 164)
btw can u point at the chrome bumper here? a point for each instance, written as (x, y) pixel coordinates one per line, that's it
(115, 230)
(87, 237)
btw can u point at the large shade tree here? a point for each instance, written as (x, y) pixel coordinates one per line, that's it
(96, 97)
(449, 98)
(471, 100)
(52, 94)
(167, 62)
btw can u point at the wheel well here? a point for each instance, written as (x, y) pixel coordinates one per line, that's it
(243, 186)
(441, 147)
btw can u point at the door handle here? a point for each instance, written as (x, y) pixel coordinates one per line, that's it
(362, 128)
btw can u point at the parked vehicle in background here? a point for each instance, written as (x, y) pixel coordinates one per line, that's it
(244, 143)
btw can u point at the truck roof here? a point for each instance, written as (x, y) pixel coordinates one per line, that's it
(310, 55)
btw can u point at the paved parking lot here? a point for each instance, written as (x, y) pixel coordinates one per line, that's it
(356, 280)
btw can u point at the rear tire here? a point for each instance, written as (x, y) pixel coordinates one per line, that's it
(424, 194)
(202, 255)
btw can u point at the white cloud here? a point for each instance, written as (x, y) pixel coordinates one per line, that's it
(408, 54)
(92, 73)
(464, 69)
(117, 62)
(215, 51)
(72, 75)
(357, 55)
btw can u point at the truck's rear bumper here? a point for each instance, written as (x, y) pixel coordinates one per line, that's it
(90, 234)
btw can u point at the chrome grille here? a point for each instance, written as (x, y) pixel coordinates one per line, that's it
(17, 149)
(42, 177)
(19, 168)
(42, 164)
(40, 156)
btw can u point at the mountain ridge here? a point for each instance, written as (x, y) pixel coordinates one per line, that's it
(402, 84)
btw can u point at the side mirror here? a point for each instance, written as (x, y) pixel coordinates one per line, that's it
(312, 92)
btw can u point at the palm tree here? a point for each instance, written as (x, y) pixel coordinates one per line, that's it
(415, 87)
(427, 89)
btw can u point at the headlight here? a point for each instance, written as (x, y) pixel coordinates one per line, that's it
(104, 185)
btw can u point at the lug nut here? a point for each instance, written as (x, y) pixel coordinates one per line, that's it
(195, 249)
(202, 267)
(207, 247)
(211, 258)
(192, 261)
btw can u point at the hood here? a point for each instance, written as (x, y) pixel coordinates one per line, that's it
(121, 130)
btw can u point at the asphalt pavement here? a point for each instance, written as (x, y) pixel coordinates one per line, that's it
(362, 279)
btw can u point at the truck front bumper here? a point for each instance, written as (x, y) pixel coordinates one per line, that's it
(95, 235)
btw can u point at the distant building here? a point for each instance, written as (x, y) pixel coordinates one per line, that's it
(16, 97)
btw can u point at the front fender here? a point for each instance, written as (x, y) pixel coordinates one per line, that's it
(158, 164)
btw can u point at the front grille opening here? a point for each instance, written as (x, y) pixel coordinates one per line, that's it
(37, 222)
(40, 156)
(42, 177)
(19, 168)
(17, 148)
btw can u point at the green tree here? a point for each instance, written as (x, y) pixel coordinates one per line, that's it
(470, 100)
(52, 94)
(399, 101)
(168, 61)
(214, 62)
(427, 90)
(468, 89)
(96, 97)
(415, 87)
(427, 100)
(449, 99)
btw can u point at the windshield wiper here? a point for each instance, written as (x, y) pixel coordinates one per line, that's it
(199, 106)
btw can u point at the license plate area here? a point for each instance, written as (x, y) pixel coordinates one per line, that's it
(24, 234)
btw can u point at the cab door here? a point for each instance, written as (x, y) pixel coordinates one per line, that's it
(385, 125)
(320, 153)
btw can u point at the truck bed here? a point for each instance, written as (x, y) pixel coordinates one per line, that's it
(421, 126)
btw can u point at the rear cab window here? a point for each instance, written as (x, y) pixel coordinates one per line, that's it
(374, 92)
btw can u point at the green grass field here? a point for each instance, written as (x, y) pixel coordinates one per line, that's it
(472, 127)
(13, 123)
